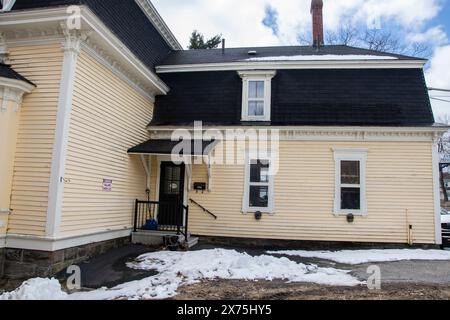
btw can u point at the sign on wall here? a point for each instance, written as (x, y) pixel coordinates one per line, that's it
(107, 185)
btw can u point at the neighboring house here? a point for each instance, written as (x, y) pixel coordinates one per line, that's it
(75, 101)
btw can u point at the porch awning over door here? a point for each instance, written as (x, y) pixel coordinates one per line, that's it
(169, 147)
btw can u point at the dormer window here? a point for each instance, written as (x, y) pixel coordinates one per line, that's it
(256, 95)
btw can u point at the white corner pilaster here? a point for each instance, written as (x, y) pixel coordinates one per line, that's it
(436, 191)
(71, 47)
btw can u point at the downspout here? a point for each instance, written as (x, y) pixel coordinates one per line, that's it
(147, 168)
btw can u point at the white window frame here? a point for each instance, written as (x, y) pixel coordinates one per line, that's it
(270, 209)
(350, 155)
(265, 76)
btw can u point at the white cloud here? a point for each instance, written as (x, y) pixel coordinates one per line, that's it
(240, 21)
(434, 36)
(438, 76)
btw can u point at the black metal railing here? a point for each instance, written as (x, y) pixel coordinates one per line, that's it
(161, 216)
(203, 208)
(446, 235)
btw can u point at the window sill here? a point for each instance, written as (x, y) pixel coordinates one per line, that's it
(266, 120)
(346, 213)
(253, 211)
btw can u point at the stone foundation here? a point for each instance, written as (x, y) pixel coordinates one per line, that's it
(269, 244)
(21, 264)
(2, 260)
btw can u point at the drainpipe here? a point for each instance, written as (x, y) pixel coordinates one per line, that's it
(147, 167)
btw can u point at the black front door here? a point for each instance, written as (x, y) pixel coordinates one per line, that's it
(171, 194)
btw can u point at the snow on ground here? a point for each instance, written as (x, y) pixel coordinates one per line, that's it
(180, 268)
(36, 289)
(366, 256)
(326, 57)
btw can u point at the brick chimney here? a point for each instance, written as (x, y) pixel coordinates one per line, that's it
(317, 21)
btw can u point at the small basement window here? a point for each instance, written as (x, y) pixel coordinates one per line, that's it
(350, 197)
(256, 95)
(258, 193)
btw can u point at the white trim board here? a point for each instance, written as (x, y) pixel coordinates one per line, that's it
(246, 209)
(265, 77)
(310, 133)
(166, 158)
(67, 84)
(49, 244)
(153, 15)
(279, 65)
(348, 154)
(436, 193)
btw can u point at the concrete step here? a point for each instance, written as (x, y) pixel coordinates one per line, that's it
(155, 238)
(192, 242)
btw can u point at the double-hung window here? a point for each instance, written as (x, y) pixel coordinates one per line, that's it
(350, 194)
(258, 193)
(256, 95)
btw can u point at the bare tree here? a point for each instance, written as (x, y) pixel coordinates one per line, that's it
(373, 39)
(444, 150)
(346, 35)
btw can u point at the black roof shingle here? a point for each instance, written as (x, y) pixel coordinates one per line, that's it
(325, 97)
(240, 54)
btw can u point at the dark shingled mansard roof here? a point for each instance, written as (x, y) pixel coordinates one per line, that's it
(125, 19)
(7, 72)
(323, 97)
(240, 54)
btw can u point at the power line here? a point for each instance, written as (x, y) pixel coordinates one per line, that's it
(440, 99)
(438, 89)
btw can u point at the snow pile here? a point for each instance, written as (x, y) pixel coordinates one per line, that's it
(181, 268)
(366, 256)
(36, 289)
(230, 264)
(326, 57)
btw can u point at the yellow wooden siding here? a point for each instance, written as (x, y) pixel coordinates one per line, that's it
(107, 118)
(398, 177)
(41, 64)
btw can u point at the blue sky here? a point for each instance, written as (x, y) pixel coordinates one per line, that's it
(280, 22)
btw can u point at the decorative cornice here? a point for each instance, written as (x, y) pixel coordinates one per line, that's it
(157, 21)
(11, 95)
(72, 39)
(46, 26)
(12, 90)
(257, 73)
(363, 134)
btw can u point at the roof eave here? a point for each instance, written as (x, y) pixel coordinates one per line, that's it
(319, 64)
(158, 22)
